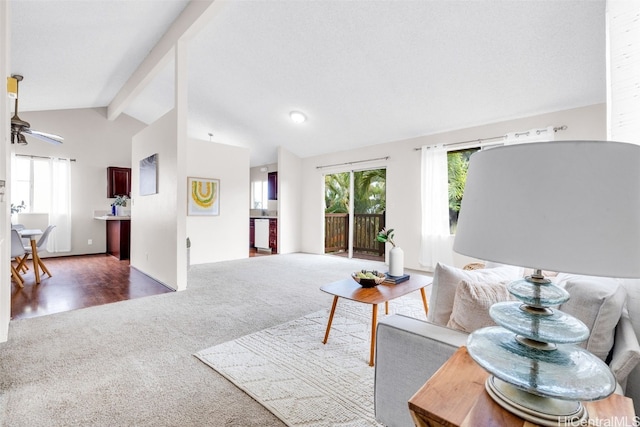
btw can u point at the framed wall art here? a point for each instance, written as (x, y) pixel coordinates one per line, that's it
(203, 196)
(149, 175)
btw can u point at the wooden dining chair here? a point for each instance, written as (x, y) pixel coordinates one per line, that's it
(18, 254)
(40, 247)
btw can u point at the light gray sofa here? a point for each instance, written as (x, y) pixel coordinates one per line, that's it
(409, 351)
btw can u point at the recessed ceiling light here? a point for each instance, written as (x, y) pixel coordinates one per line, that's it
(297, 116)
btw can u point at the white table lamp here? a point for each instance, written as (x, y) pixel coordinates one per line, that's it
(567, 206)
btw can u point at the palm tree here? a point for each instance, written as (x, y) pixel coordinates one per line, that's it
(370, 191)
(457, 165)
(337, 192)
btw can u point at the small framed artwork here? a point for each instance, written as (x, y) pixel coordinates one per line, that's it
(149, 175)
(203, 196)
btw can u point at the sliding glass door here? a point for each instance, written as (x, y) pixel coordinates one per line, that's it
(355, 204)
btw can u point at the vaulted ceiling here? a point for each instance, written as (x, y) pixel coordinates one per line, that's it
(363, 72)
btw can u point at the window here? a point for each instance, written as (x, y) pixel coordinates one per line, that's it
(259, 194)
(44, 185)
(31, 184)
(457, 165)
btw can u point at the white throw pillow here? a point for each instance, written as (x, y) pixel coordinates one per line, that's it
(598, 303)
(472, 302)
(446, 279)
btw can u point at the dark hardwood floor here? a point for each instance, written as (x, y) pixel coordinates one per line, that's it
(253, 252)
(79, 282)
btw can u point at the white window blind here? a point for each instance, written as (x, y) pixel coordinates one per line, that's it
(623, 70)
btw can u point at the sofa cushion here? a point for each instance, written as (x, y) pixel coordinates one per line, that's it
(446, 279)
(471, 304)
(626, 350)
(598, 302)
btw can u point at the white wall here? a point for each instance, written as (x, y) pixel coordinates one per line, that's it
(153, 217)
(226, 236)
(403, 173)
(5, 173)
(95, 143)
(289, 202)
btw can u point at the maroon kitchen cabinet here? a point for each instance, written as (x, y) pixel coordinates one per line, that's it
(272, 185)
(118, 182)
(252, 233)
(118, 238)
(273, 235)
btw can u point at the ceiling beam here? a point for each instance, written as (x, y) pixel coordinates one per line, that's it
(194, 17)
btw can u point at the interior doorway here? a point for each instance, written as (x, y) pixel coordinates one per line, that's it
(355, 205)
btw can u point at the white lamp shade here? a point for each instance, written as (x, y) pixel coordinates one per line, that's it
(568, 206)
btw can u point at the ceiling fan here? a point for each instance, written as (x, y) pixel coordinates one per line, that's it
(19, 127)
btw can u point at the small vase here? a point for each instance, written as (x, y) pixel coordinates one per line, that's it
(396, 261)
(113, 210)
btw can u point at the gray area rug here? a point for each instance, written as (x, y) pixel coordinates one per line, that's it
(303, 382)
(131, 363)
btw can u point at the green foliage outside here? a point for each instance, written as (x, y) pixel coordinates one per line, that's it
(457, 163)
(370, 188)
(369, 192)
(336, 196)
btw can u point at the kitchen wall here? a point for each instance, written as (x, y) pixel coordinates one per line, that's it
(403, 174)
(257, 173)
(95, 143)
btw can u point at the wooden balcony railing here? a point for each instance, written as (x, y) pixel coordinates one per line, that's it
(336, 232)
(366, 227)
(365, 230)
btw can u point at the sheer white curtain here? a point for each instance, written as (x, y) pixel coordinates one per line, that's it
(436, 238)
(60, 209)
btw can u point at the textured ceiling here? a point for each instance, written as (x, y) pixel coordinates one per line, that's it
(364, 72)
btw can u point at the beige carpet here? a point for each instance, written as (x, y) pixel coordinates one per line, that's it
(303, 382)
(131, 363)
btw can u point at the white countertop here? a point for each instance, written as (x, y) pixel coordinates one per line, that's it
(263, 217)
(112, 218)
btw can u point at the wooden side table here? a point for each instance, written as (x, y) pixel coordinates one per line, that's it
(455, 397)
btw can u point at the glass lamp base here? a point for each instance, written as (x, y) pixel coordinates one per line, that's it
(544, 411)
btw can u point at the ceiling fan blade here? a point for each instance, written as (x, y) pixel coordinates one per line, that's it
(19, 127)
(51, 138)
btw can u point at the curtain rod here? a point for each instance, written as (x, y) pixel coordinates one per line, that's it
(491, 138)
(352, 163)
(43, 157)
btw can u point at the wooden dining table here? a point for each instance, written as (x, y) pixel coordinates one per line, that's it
(31, 234)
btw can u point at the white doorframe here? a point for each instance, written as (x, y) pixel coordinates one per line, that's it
(351, 214)
(5, 174)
